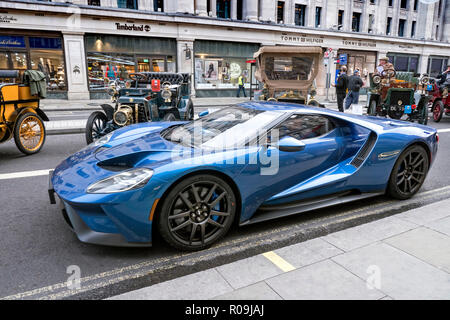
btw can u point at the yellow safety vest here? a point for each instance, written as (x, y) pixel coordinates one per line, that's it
(241, 80)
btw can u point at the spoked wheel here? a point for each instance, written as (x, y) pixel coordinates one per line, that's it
(408, 173)
(197, 212)
(395, 114)
(95, 126)
(29, 133)
(438, 111)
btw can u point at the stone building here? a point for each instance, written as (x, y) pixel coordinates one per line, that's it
(83, 44)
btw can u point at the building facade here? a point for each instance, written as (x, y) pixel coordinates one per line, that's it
(80, 46)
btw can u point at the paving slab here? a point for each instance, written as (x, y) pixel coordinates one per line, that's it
(428, 213)
(323, 280)
(198, 286)
(248, 271)
(441, 225)
(356, 237)
(401, 275)
(257, 291)
(308, 252)
(426, 244)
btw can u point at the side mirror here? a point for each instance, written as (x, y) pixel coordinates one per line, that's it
(290, 144)
(203, 113)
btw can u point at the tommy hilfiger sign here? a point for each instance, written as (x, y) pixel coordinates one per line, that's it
(133, 27)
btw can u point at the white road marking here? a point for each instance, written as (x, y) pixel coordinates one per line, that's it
(24, 174)
(443, 130)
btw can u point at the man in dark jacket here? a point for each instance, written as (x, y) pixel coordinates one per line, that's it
(341, 88)
(354, 85)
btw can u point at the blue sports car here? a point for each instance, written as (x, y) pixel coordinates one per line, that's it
(247, 163)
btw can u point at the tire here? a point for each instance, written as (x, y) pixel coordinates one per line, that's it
(169, 117)
(372, 110)
(423, 115)
(28, 140)
(438, 110)
(409, 173)
(190, 112)
(197, 202)
(313, 103)
(95, 124)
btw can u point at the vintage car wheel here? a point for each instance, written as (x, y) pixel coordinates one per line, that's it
(395, 114)
(197, 212)
(29, 133)
(409, 173)
(423, 118)
(169, 117)
(95, 125)
(438, 110)
(313, 103)
(372, 108)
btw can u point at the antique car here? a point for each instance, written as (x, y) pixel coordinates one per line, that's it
(149, 96)
(20, 115)
(438, 103)
(288, 73)
(189, 181)
(399, 96)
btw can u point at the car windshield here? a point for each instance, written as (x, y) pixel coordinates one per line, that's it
(231, 127)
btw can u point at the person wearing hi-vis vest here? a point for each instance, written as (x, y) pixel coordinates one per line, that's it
(241, 86)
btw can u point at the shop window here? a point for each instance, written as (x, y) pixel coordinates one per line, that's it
(127, 4)
(318, 17)
(94, 3)
(51, 63)
(401, 27)
(104, 67)
(405, 63)
(300, 14)
(4, 60)
(158, 5)
(280, 12)
(223, 8)
(436, 65)
(356, 21)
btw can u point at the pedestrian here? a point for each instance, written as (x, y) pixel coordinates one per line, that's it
(241, 86)
(341, 87)
(354, 85)
(444, 81)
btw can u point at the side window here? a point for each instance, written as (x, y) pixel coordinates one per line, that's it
(305, 126)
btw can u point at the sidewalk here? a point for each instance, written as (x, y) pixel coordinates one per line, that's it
(405, 256)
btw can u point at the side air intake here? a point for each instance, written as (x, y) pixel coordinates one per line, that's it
(364, 151)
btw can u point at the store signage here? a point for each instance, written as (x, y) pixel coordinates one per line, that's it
(12, 42)
(358, 43)
(301, 39)
(7, 19)
(343, 59)
(133, 27)
(251, 61)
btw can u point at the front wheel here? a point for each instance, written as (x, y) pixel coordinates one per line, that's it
(197, 212)
(29, 133)
(409, 173)
(95, 125)
(438, 110)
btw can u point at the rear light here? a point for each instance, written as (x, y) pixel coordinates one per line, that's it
(437, 138)
(413, 106)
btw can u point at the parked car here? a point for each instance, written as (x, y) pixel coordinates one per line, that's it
(150, 96)
(20, 115)
(190, 181)
(438, 103)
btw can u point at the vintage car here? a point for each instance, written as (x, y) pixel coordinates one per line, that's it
(189, 181)
(439, 103)
(150, 96)
(20, 115)
(400, 96)
(288, 73)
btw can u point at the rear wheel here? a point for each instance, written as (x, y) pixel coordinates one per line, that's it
(438, 110)
(409, 173)
(197, 212)
(169, 117)
(95, 126)
(29, 133)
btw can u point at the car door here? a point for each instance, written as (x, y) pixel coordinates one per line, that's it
(277, 170)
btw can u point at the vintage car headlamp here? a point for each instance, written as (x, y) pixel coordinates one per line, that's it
(376, 79)
(124, 181)
(123, 115)
(424, 80)
(166, 94)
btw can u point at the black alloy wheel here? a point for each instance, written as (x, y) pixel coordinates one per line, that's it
(409, 173)
(197, 212)
(95, 126)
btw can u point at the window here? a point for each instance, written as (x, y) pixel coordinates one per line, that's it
(280, 12)
(158, 5)
(404, 4)
(356, 21)
(388, 26)
(436, 65)
(303, 127)
(371, 23)
(127, 4)
(223, 9)
(415, 5)
(372, 1)
(340, 19)
(300, 14)
(404, 62)
(413, 29)
(390, 3)
(401, 27)
(288, 68)
(239, 6)
(318, 17)
(94, 3)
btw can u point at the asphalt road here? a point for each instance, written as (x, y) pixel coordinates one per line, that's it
(37, 247)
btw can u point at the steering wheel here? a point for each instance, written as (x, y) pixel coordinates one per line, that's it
(137, 76)
(389, 73)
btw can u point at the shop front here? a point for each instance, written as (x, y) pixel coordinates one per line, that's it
(364, 61)
(36, 51)
(115, 57)
(218, 66)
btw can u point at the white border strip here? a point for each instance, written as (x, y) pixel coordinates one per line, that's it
(24, 174)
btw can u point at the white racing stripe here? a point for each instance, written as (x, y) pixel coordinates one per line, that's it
(24, 174)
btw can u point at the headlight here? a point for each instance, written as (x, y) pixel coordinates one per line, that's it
(128, 180)
(166, 94)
